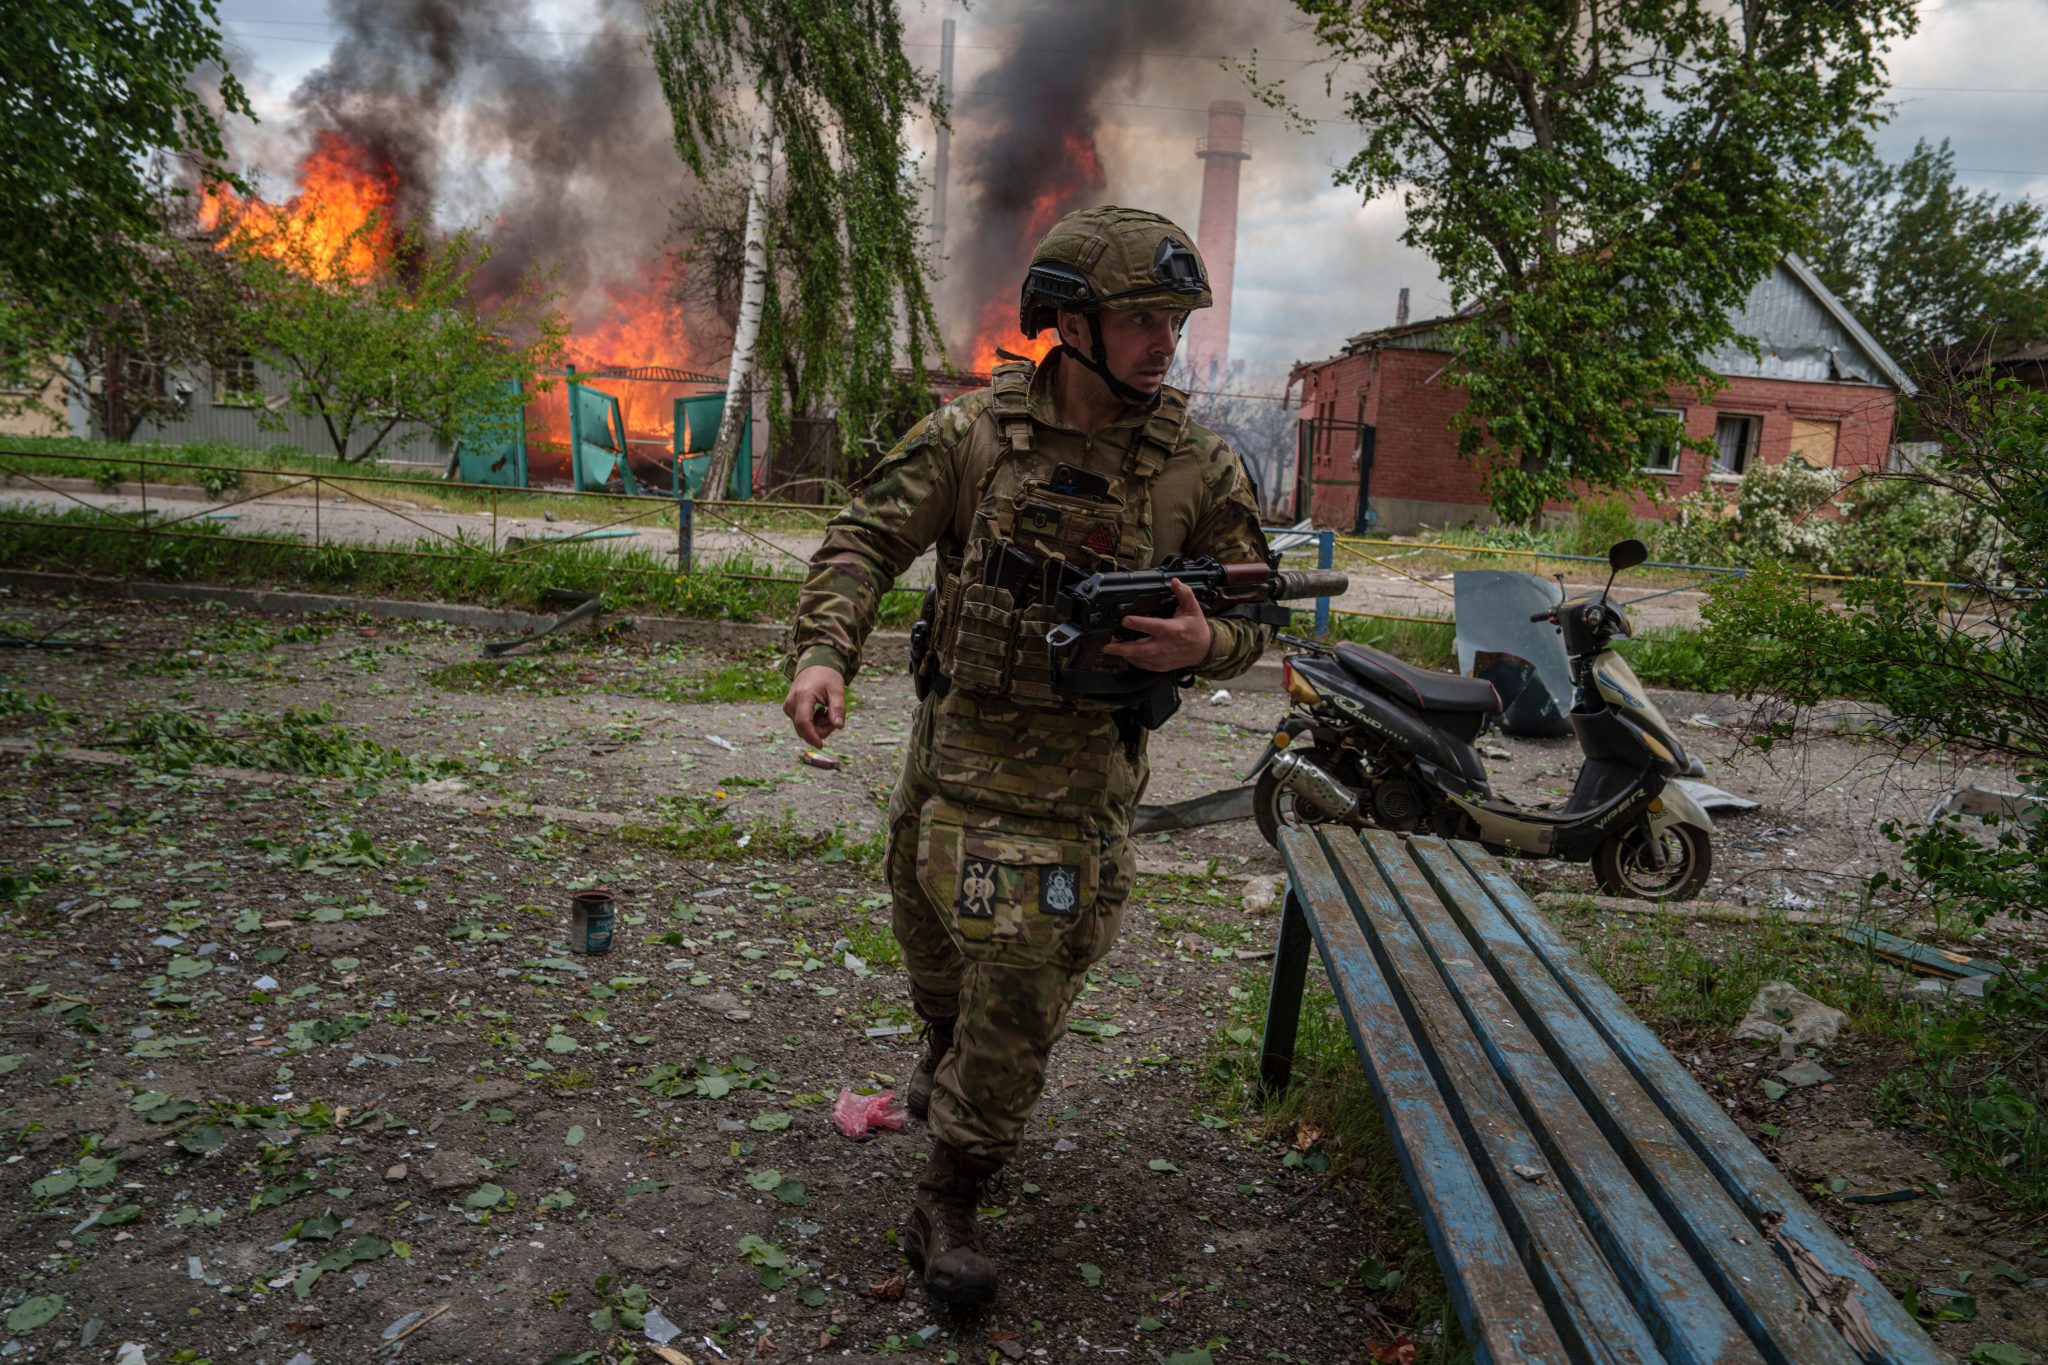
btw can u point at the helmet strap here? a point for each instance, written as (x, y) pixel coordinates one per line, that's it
(1099, 364)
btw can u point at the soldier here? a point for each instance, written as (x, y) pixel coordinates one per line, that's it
(1009, 860)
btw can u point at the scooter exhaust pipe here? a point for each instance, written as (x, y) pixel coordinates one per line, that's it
(1328, 798)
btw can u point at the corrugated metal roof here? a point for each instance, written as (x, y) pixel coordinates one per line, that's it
(1802, 330)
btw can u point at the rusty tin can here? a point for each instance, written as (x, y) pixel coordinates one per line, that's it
(591, 917)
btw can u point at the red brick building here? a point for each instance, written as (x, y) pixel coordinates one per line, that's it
(1375, 448)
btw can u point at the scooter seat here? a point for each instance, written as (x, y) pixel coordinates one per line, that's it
(1417, 687)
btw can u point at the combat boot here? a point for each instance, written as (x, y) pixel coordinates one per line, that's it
(941, 1237)
(938, 1041)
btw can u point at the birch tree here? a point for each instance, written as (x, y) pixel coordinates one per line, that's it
(826, 83)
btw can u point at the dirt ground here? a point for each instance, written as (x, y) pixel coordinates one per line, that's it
(316, 1052)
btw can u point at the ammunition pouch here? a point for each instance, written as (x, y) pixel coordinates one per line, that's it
(994, 611)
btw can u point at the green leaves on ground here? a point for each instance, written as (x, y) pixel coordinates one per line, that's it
(364, 1248)
(32, 1313)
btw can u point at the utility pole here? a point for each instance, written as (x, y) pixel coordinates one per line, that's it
(940, 156)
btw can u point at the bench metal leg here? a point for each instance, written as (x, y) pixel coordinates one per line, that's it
(1283, 1002)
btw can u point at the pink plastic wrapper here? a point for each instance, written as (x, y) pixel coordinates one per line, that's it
(858, 1115)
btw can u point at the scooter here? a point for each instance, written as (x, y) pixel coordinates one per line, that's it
(1373, 741)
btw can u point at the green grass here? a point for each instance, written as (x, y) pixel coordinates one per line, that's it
(1970, 1077)
(702, 829)
(310, 743)
(1328, 1092)
(431, 569)
(1662, 656)
(243, 470)
(875, 943)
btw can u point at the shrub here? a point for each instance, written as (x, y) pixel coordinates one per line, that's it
(1598, 524)
(1904, 527)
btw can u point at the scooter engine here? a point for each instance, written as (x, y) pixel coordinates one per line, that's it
(1397, 804)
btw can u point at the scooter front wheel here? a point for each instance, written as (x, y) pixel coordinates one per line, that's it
(1623, 868)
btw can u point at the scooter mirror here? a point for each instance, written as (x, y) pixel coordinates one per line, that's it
(1627, 555)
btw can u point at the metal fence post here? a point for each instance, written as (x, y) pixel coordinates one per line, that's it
(1326, 554)
(685, 519)
(316, 511)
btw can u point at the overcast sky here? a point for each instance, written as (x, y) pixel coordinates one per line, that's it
(1315, 265)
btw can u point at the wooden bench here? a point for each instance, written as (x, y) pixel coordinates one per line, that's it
(1586, 1199)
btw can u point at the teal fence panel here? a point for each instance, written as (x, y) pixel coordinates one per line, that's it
(492, 447)
(697, 421)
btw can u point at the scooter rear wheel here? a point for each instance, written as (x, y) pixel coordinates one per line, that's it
(1622, 869)
(1273, 804)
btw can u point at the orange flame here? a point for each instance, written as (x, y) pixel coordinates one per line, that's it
(641, 326)
(998, 324)
(338, 225)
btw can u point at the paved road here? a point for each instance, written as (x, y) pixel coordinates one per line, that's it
(1374, 587)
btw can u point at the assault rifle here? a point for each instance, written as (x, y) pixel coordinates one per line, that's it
(1092, 614)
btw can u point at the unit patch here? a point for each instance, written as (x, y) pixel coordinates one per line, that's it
(1040, 521)
(1059, 889)
(977, 890)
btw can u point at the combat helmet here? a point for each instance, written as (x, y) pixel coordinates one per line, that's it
(1113, 258)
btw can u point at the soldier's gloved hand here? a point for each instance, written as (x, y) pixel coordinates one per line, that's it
(816, 704)
(1170, 643)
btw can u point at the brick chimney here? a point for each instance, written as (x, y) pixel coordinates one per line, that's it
(1222, 153)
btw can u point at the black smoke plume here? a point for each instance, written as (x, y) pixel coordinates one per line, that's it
(559, 144)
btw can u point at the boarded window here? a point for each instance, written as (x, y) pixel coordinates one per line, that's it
(1734, 443)
(1814, 442)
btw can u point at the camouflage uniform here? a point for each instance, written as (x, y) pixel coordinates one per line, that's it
(1009, 859)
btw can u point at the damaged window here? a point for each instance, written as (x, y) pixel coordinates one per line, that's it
(1734, 443)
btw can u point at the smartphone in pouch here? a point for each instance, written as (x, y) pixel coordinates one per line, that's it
(1075, 482)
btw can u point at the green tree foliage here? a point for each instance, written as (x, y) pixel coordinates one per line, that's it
(848, 273)
(1602, 184)
(1923, 262)
(371, 354)
(1948, 671)
(95, 99)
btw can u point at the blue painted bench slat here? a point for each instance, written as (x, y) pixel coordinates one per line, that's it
(1526, 1103)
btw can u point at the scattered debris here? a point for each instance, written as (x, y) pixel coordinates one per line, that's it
(1261, 892)
(1988, 803)
(818, 760)
(856, 1116)
(659, 1329)
(1918, 957)
(1894, 1197)
(587, 605)
(1784, 1015)
(1234, 803)
(1220, 697)
(1496, 753)
(723, 743)
(1532, 1174)
(1805, 1072)
(1712, 799)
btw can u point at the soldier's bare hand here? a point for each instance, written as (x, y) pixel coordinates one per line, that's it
(1170, 643)
(816, 704)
